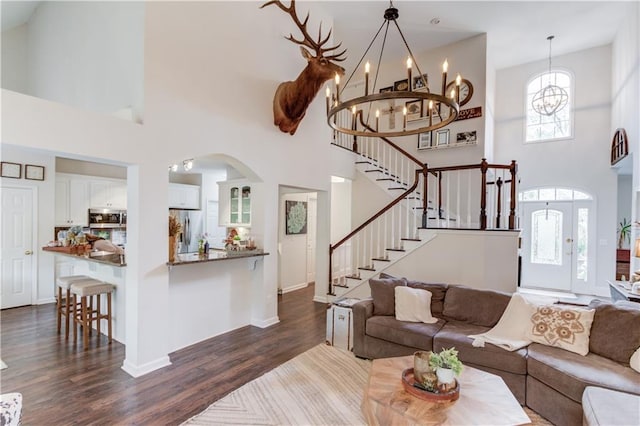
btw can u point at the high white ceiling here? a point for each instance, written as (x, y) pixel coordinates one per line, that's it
(517, 30)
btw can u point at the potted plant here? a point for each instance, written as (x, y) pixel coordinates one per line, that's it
(446, 364)
(624, 232)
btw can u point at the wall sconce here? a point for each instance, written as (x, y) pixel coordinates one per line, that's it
(187, 164)
(173, 168)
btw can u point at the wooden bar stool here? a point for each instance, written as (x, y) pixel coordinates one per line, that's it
(64, 283)
(86, 314)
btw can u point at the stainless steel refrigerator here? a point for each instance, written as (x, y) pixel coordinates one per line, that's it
(192, 229)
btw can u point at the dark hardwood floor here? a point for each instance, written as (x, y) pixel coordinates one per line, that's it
(63, 384)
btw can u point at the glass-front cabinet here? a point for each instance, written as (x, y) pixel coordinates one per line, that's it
(235, 203)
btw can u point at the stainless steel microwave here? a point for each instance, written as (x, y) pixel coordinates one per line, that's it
(107, 218)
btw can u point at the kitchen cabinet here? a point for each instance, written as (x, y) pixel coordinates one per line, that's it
(235, 203)
(108, 193)
(72, 201)
(182, 196)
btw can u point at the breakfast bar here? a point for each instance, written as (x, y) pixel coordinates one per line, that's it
(104, 266)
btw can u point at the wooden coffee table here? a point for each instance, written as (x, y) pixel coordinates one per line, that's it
(484, 399)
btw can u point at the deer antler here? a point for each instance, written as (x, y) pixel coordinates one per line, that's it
(308, 41)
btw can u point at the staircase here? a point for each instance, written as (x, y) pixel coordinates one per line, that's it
(423, 201)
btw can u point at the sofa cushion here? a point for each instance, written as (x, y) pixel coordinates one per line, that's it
(569, 373)
(615, 332)
(414, 305)
(562, 326)
(438, 291)
(603, 407)
(478, 307)
(383, 294)
(455, 334)
(413, 334)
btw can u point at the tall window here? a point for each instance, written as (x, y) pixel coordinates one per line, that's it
(540, 127)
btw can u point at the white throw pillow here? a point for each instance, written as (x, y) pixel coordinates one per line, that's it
(635, 360)
(414, 305)
(562, 327)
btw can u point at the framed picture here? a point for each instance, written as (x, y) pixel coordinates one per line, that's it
(33, 172)
(414, 110)
(11, 170)
(419, 82)
(401, 85)
(442, 137)
(467, 137)
(424, 140)
(386, 89)
(296, 217)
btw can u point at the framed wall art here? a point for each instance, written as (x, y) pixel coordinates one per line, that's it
(467, 137)
(419, 82)
(424, 140)
(386, 89)
(296, 217)
(11, 170)
(442, 137)
(33, 172)
(401, 85)
(414, 110)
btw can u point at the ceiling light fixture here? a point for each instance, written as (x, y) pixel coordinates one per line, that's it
(187, 164)
(551, 98)
(438, 110)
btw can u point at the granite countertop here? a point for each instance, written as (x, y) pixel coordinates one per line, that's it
(214, 255)
(104, 257)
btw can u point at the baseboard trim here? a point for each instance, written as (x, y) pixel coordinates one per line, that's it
(46, 301)
(141, 370)
(265, 323)
(321, 299)
(294, 288)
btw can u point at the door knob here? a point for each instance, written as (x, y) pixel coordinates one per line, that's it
(28, 252)
(569, 240)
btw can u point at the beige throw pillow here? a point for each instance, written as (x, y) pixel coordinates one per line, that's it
(562, 327)
(635, 360)
(414, 305)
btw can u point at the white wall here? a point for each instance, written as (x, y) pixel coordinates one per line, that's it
(195, 105)
(479, 259)
(293, 248)
(581, 162)
(88, 54)
(341, 193)
(14, 59)
(625, 109)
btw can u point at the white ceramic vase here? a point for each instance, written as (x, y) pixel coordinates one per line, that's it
(445, 375)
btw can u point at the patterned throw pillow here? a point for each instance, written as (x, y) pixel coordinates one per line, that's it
(562, 327)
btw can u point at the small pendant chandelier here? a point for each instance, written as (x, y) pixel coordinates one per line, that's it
(551, 98)
(360, 116)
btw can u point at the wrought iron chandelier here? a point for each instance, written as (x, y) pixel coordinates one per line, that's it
(551, 98)
(360, 116)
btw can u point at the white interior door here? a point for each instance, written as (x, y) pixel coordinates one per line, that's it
(547, 245)
(17, 247)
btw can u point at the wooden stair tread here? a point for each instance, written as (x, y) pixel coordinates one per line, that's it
(381, 259)
(410, 239)
(395, 249)
(366, 268)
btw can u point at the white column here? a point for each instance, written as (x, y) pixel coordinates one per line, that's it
(147, 276)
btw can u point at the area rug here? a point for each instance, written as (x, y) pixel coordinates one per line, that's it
(322, 386)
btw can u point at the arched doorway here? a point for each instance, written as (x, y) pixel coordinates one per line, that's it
(558, 227)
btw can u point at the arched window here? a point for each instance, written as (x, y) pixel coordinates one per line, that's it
(558, 125)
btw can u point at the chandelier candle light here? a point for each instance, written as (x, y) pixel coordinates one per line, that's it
(353, 116)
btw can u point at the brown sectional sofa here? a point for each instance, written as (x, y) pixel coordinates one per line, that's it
(547, 379)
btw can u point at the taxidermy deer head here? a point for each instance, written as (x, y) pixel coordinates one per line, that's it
(293, 97)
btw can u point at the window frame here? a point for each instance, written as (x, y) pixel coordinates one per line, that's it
(570, 105)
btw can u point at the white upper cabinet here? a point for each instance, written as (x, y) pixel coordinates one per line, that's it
(235, 203)
(182, 196)
(108, 193)
(72, 201)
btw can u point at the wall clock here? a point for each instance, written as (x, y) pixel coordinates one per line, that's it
(11, 170)
(466, 90)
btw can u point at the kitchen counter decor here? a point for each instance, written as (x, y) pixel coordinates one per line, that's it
(213, 255)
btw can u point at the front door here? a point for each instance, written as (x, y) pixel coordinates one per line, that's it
(17, 247)
(547, 245)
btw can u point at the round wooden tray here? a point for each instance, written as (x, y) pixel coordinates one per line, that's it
(408, 381)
